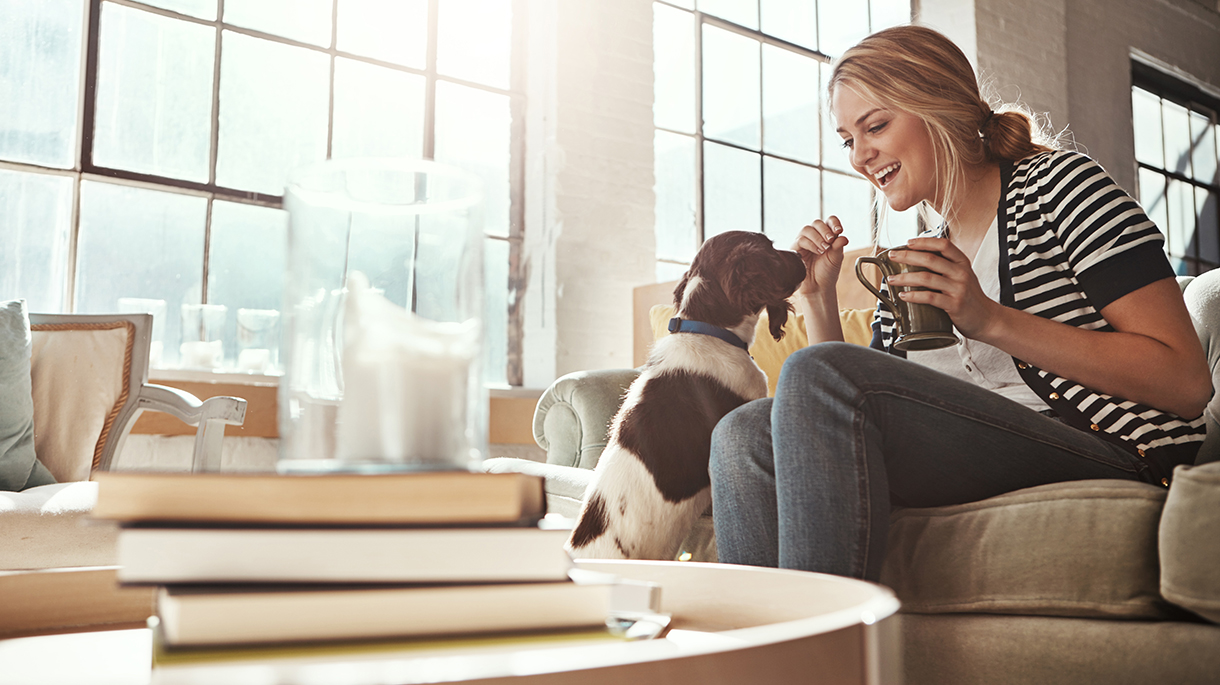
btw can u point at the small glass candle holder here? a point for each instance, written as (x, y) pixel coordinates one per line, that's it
(258, 340)
(203, 327)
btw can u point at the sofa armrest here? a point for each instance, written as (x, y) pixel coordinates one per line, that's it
(573, 416)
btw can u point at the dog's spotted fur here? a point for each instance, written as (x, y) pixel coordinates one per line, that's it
(651, 482)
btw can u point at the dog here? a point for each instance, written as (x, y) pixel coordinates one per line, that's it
(651, 482)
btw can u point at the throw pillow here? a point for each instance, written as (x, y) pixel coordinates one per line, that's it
(19, 468)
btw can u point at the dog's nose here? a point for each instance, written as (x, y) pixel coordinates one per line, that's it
(794, 267)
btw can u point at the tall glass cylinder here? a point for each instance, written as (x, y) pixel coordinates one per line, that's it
(382, 324)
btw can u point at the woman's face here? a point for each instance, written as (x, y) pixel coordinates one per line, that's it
(892, 149)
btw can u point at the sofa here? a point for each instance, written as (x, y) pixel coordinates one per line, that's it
(1100, 581)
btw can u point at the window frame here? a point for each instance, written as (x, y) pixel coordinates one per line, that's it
(702, 19)
(1194, 98)
(85, 169)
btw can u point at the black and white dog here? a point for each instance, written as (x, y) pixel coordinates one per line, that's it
(651, 482)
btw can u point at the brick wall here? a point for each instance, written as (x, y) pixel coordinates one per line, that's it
(598, 223)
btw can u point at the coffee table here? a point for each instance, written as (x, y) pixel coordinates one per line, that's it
(731, 624)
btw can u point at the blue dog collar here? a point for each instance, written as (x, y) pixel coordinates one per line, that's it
(677, 325)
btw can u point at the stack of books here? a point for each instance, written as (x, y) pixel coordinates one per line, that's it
(263, 559)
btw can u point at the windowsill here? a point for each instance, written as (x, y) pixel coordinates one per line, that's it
(158, 375)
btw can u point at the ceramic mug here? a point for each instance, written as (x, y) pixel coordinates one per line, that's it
(920, 326)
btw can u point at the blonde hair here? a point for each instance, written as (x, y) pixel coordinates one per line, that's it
(919, 71)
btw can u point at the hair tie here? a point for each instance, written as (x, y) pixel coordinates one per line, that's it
(987, 119)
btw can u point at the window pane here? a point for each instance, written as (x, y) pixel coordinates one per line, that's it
(1177, 137)
(40, 62)
(1203, 148)
(848, 198)
(1146, 120)
(790, 104)
(391, 31)
(495, 276)
(744, 12)
(731, 87)
(474, 40)
(791, 199)
(841, 25)
(379, 112)
(140, 243)
(676, 230)
(674, 65)
(305, 20)
(246, 261)
(154, 94)
(887, 13)
(35, 220)
(273, 112)
(732, 187)
(834, 155)
(472, 133)
(1152, 199)
(1206, 209)
(1181, 202)
(795, 21)
(204, 9)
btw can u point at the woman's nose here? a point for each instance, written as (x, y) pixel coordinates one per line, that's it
(861, 153)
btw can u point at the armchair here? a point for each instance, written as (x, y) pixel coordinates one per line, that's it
(1102, 581)
(88, 384)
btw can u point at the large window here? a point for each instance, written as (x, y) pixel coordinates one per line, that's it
(743, 139)
(144, 146)
(1176, 149)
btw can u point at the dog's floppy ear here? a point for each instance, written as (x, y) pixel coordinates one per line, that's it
(680, 291)
(777, 316)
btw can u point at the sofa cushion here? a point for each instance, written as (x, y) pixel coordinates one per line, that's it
(1083, 548)
(19, 467)
(49, 526)
(1190, 540)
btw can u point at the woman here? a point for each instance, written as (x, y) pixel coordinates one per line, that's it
(1078, 358)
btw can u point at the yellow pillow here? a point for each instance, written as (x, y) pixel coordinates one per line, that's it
(768, 354)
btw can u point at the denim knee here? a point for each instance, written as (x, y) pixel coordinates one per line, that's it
(812, 364)
(740, 432)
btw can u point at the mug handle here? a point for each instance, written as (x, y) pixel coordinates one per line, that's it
(898, 313)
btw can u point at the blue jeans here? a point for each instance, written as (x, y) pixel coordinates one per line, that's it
(807, 480)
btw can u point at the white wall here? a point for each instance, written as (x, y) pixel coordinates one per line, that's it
(592, 201)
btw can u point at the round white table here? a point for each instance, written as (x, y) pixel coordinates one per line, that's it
(730, 624)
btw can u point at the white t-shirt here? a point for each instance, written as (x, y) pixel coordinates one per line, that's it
(976, 362)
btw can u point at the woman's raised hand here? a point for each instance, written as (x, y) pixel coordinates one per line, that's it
(820, 245)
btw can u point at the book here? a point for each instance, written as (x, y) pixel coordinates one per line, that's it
(163, 555)
(71, 598)
(246, 615)
(423, 498)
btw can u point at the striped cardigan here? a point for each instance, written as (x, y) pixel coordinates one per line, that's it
(1072, 242)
